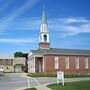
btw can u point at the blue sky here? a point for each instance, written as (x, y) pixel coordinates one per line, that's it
(68, 23)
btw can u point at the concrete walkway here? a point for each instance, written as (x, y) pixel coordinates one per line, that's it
(42, 87)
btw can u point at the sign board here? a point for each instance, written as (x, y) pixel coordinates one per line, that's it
(1, 68)
(60, 77)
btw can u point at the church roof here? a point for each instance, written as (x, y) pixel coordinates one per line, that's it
(61, 51)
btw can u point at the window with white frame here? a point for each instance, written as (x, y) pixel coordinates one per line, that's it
(67, 62)
(56, 61)
(77, 62)
(86, 63)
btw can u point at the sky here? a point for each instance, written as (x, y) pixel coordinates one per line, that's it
(20, 20)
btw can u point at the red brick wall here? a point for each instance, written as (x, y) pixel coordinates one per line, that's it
(49, 65)
(44, 45)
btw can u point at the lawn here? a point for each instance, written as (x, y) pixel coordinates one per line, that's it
(81, 85)
(54, 75)
(41, 75)
(31, 89)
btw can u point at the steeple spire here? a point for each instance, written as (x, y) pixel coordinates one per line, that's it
(44, 33)
(44, 20)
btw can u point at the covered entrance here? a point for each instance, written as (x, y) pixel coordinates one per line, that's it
(39, 64)
(36, 64)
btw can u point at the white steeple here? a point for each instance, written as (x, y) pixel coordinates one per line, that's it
(44, 34)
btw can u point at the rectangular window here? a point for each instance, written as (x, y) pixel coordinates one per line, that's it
(77, 62)
(11, 60)
(6, 61)
(67, 62)
(86, 63)
(56, 61)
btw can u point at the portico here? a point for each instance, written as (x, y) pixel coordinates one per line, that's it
(36, 64)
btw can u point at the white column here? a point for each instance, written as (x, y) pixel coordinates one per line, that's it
(29, 65)
(43, 65)
(34, 65)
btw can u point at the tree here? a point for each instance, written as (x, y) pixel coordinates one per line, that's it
(20, 54)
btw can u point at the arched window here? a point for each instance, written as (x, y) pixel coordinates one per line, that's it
(45, 38)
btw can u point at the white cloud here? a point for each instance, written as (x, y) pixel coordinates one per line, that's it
(26, 24)
(76, 20)
(70, 26)
(6, 21)
(66, 26)
(74, 30)
(18, 41)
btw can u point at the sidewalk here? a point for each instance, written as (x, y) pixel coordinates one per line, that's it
(42, 87)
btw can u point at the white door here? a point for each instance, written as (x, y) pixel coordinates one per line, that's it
(18, 68)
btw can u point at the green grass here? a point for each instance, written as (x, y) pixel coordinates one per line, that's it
(76, 76)
(41, 75)
(1, 73)
(81, 85)
(9, 72)
(31, 89)
(54, 75)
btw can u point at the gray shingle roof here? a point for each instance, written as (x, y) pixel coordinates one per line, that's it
(61, 51)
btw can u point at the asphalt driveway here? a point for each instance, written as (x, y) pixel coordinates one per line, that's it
(11, 82)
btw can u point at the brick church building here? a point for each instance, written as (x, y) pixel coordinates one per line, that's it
(51, 60)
